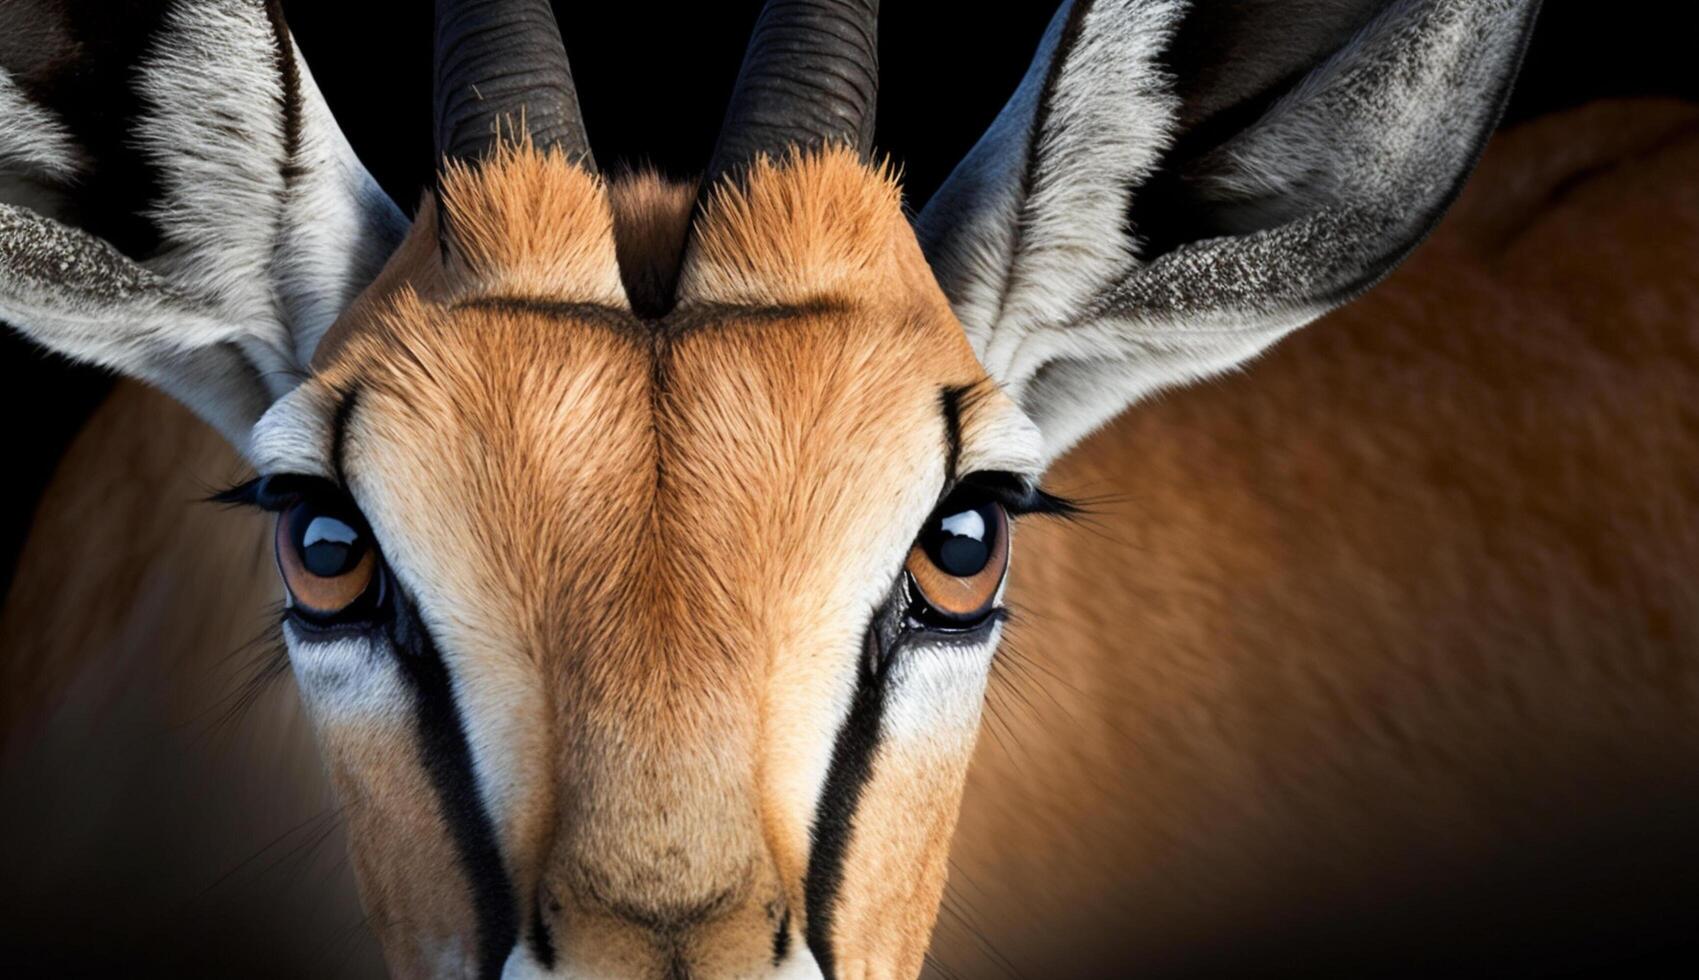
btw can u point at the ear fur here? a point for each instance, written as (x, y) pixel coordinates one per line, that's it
(1093, 259)
(242, 224)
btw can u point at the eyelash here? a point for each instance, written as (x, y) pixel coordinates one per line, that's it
(1018, 497)
(272, 494)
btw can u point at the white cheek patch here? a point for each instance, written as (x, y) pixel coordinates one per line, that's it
(935, 693)
(349, 680)
(800, 965)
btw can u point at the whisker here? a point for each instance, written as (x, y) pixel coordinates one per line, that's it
(1023, 674)
(261, 662)
(957, 907)
(998, 725)
(935, 965)
(327, 815)
(348, 940)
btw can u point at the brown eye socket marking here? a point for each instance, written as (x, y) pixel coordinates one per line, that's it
(958, 562)
(326, 557)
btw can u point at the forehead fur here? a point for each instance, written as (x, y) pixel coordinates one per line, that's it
(669, 540)
(803, 298)
(529, 224)
(798, 228)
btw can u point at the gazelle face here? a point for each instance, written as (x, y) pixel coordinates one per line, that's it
(644, 553)
(640, 646)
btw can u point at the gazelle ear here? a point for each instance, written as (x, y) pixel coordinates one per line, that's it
(176, 202)
(1176, 186)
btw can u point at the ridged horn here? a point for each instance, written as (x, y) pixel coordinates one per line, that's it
(501, 63)
(810, 78)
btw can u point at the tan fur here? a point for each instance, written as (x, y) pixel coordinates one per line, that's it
(603, 518)
(1410, 594)
(797, 230)
(526, 223)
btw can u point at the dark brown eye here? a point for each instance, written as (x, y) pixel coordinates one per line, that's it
(958, 562)
(328, 562)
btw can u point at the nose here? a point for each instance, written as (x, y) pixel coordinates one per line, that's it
(704, 944)
(651, 895)
(523, 965)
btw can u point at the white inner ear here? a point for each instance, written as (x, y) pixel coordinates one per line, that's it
(1111, 116)
(1289, 217)
(284, 255)
(229, 216)
(1019, 252)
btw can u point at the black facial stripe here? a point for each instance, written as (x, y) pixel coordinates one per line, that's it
(339, 434)
(851, 766)
(542, 941)
(950, 401)
(782, 939)
(447, 759)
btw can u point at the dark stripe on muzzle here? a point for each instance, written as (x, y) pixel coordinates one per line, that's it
(447, 758)
(834, 818)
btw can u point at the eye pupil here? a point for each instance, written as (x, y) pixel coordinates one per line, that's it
(963, 556)
(330, 547)
(961, 544)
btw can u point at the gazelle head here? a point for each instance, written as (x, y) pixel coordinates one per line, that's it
(644, 545)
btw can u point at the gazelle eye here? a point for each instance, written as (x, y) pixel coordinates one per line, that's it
(958, 562)
(329, 564)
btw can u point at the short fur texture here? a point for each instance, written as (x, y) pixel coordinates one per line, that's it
(529, 225)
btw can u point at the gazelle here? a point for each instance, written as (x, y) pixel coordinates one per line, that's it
(644, 546)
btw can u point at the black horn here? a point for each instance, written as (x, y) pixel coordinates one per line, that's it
(810, 78)
(500, 66)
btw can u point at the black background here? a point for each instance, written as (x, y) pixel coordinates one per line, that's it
(653, 79)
